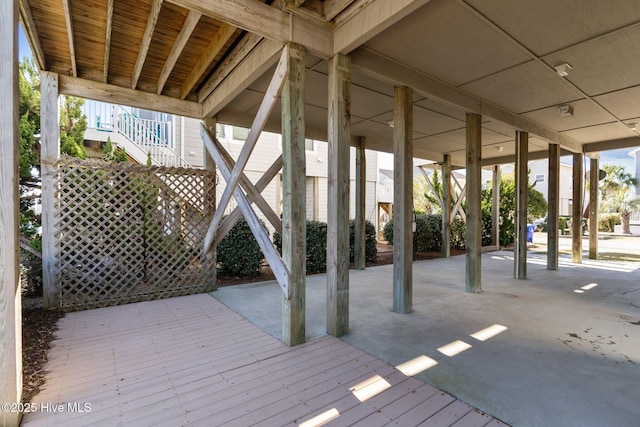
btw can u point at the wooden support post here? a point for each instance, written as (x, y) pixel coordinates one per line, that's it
(474, 212)
(593, 207)
(294, 229)
(495, 207)
(360, 250)
(339, 138)
(576, 212)
(554, 206)
(522, 201)
(49, 154)
(446, 206)
(210, 196)
(403, 200)
(10, 295)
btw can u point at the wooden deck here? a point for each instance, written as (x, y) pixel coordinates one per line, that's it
(193, 361)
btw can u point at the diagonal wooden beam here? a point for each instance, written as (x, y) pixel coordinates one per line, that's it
(31, 32)
(278, 267)
(154, 13)
(178, 46)
(225, 32)
(268, 102)
(252, 196)
(253, 193)
(458, 205)
(107, 42)
(69, 23)
(431, 186)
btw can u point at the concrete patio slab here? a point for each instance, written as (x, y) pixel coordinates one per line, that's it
(567, 351)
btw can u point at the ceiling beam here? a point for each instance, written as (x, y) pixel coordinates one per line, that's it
(107, 42)
(178, 46)
(273, 124)
(332, 8)
(104, 92)
(69, 23)
(242, 49)
(253, 66)
(31, 32)
(533, 155)
(613, 144)
(384, 69)
(225, 32)
(256, 17)
(365, 19)
(154, 13)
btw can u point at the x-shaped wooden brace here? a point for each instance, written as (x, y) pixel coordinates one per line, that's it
(233, 175)
(458, 202)
(278, 267)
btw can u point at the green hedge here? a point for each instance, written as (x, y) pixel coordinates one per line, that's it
(317, 244)
(428, 235)
(239, 253)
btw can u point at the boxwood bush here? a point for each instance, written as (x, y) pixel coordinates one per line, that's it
(239, 253)
(607, 222)
(317, 244)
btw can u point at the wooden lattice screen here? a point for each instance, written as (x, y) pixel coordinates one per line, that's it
(127, 232)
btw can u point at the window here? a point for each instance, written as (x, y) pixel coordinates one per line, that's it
(219, 131)
(539, 177)
(240, 134)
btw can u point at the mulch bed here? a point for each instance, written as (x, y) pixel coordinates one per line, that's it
(39, 325)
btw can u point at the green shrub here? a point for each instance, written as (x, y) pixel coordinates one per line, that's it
(563, 223)
(606, 222)
(458, 233)
(239, 252)
(371, 251)
(387, 231)
(428, 235)
(317, 244)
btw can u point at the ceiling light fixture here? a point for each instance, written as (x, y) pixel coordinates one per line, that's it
(390, 123)
(632, 126)
(563, 69)
(565, 110)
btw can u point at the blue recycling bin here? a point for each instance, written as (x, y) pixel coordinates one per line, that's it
(530, 229)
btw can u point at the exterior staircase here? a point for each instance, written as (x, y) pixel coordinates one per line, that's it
(142, 139)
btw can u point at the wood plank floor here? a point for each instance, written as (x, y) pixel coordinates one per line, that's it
(193, 361)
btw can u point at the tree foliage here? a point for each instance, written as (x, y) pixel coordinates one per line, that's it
(616, 194)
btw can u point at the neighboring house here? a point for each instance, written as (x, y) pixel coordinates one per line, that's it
(539, 174)
(175, 141)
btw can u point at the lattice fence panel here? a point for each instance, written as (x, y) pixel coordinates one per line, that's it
(127, 232)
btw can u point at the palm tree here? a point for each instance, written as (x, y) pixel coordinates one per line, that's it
(616, 194)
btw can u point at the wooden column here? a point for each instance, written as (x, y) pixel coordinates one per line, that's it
(403, 200)
(495, 207)
(446, 206)
(554, 206)
(359, 256)
(10, 298)
(576, 212)
(294, 229)
(339, 138)
(522, 201)
(210, 192)
(593, 207)
(474, 212)
(49, 154)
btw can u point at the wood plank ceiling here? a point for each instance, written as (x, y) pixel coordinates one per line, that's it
(496, 57)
